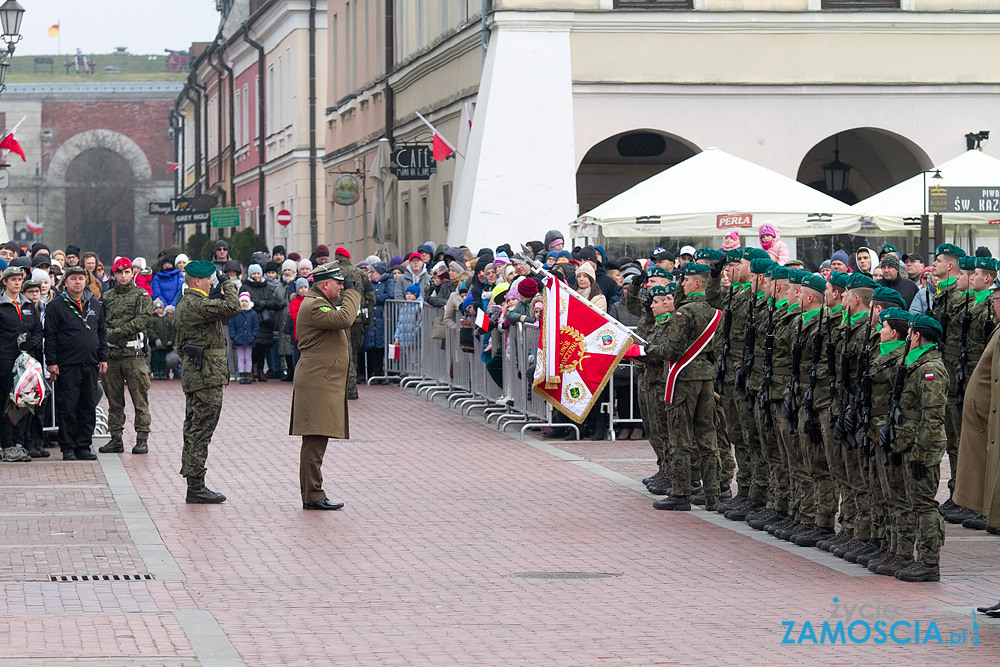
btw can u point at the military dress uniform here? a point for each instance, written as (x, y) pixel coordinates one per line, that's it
(199, 323)
(127, 309)
(362, 320)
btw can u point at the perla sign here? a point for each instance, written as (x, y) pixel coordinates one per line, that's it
(413, 162)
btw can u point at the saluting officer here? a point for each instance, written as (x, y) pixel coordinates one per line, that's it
(201, 338)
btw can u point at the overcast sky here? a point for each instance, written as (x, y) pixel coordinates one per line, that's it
(98, 26)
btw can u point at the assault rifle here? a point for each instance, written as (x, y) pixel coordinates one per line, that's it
(742, 375)
(963, 354)
(989, 322)
(764, 397)
(844, 424)
(794, 386)
(865, 392)
(727, 325)
(887, 434)
(831, 356)
(809, 400)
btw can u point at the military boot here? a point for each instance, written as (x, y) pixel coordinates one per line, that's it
(837, 539)
(711, 502)
(660, 487)
(993, 530)
(868, 548)
(84, 454)
(978, 522)
(763, 518)
(812, 537)
(141, 445)
(796, 528)
(352, 395)
(947, 507)
(740, 513)
(917, 571)
(853, 545)
(676, 503)
(890, 567)
(865, 555)
(202, 495)
(879, 557)
(960, 514)
(646, 480)
(802, 529)
(116, 446)
(775, 526)
(698, 499)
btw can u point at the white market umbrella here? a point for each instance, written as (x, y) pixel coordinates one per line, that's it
(900, 207)
(384, 198)
(704, 194)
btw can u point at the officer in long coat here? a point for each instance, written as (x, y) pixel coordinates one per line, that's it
(319, 398)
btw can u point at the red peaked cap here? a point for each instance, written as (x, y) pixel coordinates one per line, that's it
(342, 251)
(121, 263)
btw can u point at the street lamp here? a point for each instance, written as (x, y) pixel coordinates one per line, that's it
(836, 173)
(11, 14)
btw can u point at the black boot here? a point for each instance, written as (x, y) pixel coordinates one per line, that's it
(352, 394)
(676, 503)
(202, 495)
(918, 571)
(84, 454)
(141, 446)
(116, 446)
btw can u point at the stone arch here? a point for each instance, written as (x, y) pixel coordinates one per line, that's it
(616, 163)
(107, 139)
(879, 159)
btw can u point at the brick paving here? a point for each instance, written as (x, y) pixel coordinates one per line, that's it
(420, 567)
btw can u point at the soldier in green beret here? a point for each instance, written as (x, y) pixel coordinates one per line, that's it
(689, 395)
(201, 340)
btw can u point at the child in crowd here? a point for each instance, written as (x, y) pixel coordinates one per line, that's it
(160, 334)
(301, 287)
(243, 329)
(407, 331)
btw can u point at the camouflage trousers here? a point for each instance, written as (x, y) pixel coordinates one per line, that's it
(860, 485)
(741, 439)
(823, 500)
(727, 464)
(654, 415)
(356, 337)
(691, 416)
(760, 472)
(952, 429)
(777, 465)
(921, 525)
(799, 485)
(892, 485)
(132, 374)
(202, 409)
(836, 460)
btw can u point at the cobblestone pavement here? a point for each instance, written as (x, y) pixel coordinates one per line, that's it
(453, 549)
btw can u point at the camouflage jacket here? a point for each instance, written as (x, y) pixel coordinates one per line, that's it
(656, 352)
(127, 309)
(199, 320)
(785, 329)
(883, 372)
(760, 316)
(948, 307)
(850, 346)
(366, 311)
(635, 305)
(687, 324)
(922, 407)
(807, 328)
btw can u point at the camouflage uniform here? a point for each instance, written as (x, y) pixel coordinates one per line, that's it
(691, 412)
(727, 464)
(891, 481)
(949, 304)
(785, 331)
(650, 381)
(200, 320)
(127, 309)
(356, 335)
(920, 436)
(742, 437)
(766, 481)
(770, 440)
(859, 493)
(835, 452)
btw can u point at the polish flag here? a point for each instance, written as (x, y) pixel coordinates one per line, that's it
(174, 166)
(393, 351)
(482, 320)
(442, 147)
(10, 145)
(635, 351)
(33, 227)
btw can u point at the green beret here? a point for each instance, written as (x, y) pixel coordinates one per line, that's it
(657, 272)
(894, 314)
(659, 290)
(755, 253)
(967, 263)
(888, 295)
(779, 272)
(326, 272)
(671, 288)
(70, 270)
(949, 249)
(734, 256)
(839, 279)
(199, 268)
(926, 322)
(888, 247)
(860, 281)
(761, 264)
(707, 253)
(694, 269)
(990, 264)
(814, 281)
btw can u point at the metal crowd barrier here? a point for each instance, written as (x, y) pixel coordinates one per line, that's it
(408, 365)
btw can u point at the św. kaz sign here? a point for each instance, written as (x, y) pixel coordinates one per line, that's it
(736, 220)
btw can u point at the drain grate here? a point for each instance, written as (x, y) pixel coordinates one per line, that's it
(562, 575)
(100, 577)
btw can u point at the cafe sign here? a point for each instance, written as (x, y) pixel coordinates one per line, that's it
(346, 190)
(413, 162)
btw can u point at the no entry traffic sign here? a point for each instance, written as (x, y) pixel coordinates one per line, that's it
(284, 218)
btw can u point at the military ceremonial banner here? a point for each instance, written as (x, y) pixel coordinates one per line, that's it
(579, 348)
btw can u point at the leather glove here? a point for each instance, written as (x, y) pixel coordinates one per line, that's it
(717, 266)
(221, 277)
(644, 297)
(918, 470)
(349, 282)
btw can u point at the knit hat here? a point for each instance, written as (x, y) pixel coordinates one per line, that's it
(501, 259)
(301, 282)
(321, 251)
(554, 242)
(157, 303)
(890, 260)
(427, 247)
(396, 260)
(294, 256)
(169, 308)
(440, 267)
(590, 254)
(371, 259)
(41, 259)
(278, 250)
(413, 289)
(527, 288)
(254, 268)
(271, 266)
(139, 263)
(457, 267)
(381, 267)
(245, 296)
(840, 256)
(289, 265)
(168, 259)
(73, 250)
(232, 265)
(825, 264)
(221, 243)
(305, 264)
(181, 259)
(39, 275)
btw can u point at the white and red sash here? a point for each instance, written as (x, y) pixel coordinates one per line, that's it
(674, 368)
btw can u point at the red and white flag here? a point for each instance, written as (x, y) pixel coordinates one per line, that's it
(579, 349)
(33, 227)
(173, 166)
(393, 351)
(9, 144)
(482, 320)
(442, 148)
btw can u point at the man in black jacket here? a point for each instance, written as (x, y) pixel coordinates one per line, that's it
(894, 279)
(17, 319)
(609, 288)
(76, 351)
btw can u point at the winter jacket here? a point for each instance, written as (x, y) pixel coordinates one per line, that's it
(906, 288)
(408, 325)
(922, 302)
(437, 295)
(244, 327)
(293, 314)
(160, 332)
(408, 279)
(75, 336)
(514, 314)
(265, 303)
(127, 309)
(167, 286)
(14, 321)
(385, 289)
(145, 281)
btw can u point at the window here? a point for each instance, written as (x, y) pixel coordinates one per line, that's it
(354, 41)
(245, 111)
(407, 227)
(654, 4)
(368, 42)
(270, 99)
(379, 27)
(336, 61)
(348, 49)
(446, 194)
(256, 125)
(425, 214)
(860, 4)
